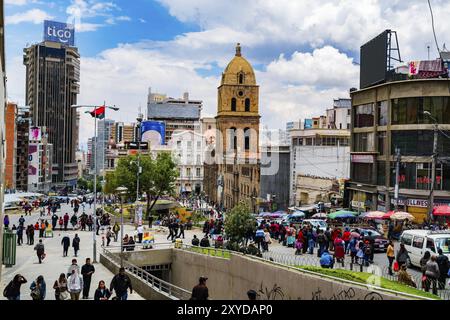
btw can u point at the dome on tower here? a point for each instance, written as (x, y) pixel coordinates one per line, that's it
(239, 71)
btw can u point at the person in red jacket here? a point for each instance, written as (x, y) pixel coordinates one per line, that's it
(66, 221)
(346, 237)
(339, 248)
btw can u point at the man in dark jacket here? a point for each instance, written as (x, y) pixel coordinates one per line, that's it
(65, 242)
(66, 221)
(86, 271)
(443, 263)
(40, 250)
(19, 235)
(205, 242)
(121, 282)
(200, 291)
(54, 221)
(195, 241)
(76, 244)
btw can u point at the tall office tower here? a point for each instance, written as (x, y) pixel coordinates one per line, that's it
(104, 131)
(52, 86)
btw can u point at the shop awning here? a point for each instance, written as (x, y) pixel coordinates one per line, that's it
(441, 211)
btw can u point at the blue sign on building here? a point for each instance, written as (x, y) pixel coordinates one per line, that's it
(153, 132)
(308, 123)
(59, 32)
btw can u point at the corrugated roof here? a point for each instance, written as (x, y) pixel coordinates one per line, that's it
(170, 111)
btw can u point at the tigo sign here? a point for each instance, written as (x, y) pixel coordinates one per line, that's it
(59, 32)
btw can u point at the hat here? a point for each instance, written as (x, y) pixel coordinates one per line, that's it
(202, 278)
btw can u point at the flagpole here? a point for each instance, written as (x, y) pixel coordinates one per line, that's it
(95, 191)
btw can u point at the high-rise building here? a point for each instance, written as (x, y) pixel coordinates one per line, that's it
(11, 146)
(52, 86)
(2, 127)
(236, 171)
(40, 161)
(177, 114)
(104, 131)
(23, 121)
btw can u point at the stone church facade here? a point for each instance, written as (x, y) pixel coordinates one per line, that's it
(235, 173)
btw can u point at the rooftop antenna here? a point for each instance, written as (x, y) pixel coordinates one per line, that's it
(428, 48)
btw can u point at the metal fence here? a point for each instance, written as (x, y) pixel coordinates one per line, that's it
(172, 291)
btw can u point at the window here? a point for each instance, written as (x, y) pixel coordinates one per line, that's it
(188, 172)
(178, 144)
(381, 173)
(418, 242)
(232, 139)
(419, 143)
(364, 116)
(363, 142)
(197, 172)
(247, 138)
(199, 144)
(247, 105)
(241, 78)
(233, 104)
(381, 141)
(430, 245)
(382, 113)
(407, 239)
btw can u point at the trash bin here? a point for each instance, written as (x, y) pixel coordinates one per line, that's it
(9, 248)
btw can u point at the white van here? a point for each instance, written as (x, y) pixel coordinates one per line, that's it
(417, 242)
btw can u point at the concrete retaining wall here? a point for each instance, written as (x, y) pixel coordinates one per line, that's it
(232, 278)
(138, 284)
(149, 258)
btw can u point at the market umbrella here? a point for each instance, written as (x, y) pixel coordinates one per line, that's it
(265, 214)
(363, 214)
(374, 215)
(320, 215)
(342, 214)
(388, 215)
(297, 214)
(441, 211)
(400, 215)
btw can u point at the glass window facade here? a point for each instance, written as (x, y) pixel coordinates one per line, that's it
(411, 110)
(381, 142)
(364, 116)
(418, 176)
(419, 143)
(362, 172)
(363, 142)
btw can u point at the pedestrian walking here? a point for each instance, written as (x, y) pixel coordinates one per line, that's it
(102, 293)
(19, 233)
(74, 221)
(65, 242)
(75, 285)
(182, 227)
(353, 249)
(41, 229)
(109, 235)
(267, 240)
(390, 253)
(443, 263)
(12, 290)
(61, 288)
(55, 219)
(21, 221)
(66, 221)
(61, 223)
(38, 289)
(31, 234)
(200, 291)
(76, 244)
(6, 222)
(87, 271)
(73, 266)
(432, 274)
(121, 283)
(40, 251)
(116, 229)
(140, 232)
(402, 255)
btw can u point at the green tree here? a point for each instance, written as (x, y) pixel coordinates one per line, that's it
(238, 221)
(157, 177)
(82, 184)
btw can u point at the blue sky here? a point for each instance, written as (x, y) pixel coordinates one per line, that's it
(305, 52)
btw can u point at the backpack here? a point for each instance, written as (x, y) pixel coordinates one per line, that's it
(367, 250)
(35, 293)
(7, 289)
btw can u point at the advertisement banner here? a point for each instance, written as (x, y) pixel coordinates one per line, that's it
(153, 132)
(33, 163)
(59, 32)
(35, 134)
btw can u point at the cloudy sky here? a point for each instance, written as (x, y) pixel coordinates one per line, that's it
(305, 52)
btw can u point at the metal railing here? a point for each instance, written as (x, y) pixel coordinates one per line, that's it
(164, 287)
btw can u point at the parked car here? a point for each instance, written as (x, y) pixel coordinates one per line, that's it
(417, 242)
(316, 223)
(380, 241)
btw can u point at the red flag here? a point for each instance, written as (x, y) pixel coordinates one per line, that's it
(98, 112)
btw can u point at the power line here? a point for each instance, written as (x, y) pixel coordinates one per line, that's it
(432, 25)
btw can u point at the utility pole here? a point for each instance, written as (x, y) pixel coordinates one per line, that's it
(139, 120)
(433, 172)
(397, 175)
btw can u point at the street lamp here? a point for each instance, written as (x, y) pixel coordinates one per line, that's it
(94, 230)
(359, 199)
(121, 191)
(433, 164)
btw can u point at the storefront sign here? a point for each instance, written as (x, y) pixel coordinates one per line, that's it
(358, 204)
(362, 158)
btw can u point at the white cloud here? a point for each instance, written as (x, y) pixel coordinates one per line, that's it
(35, 16)
(16, 2)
